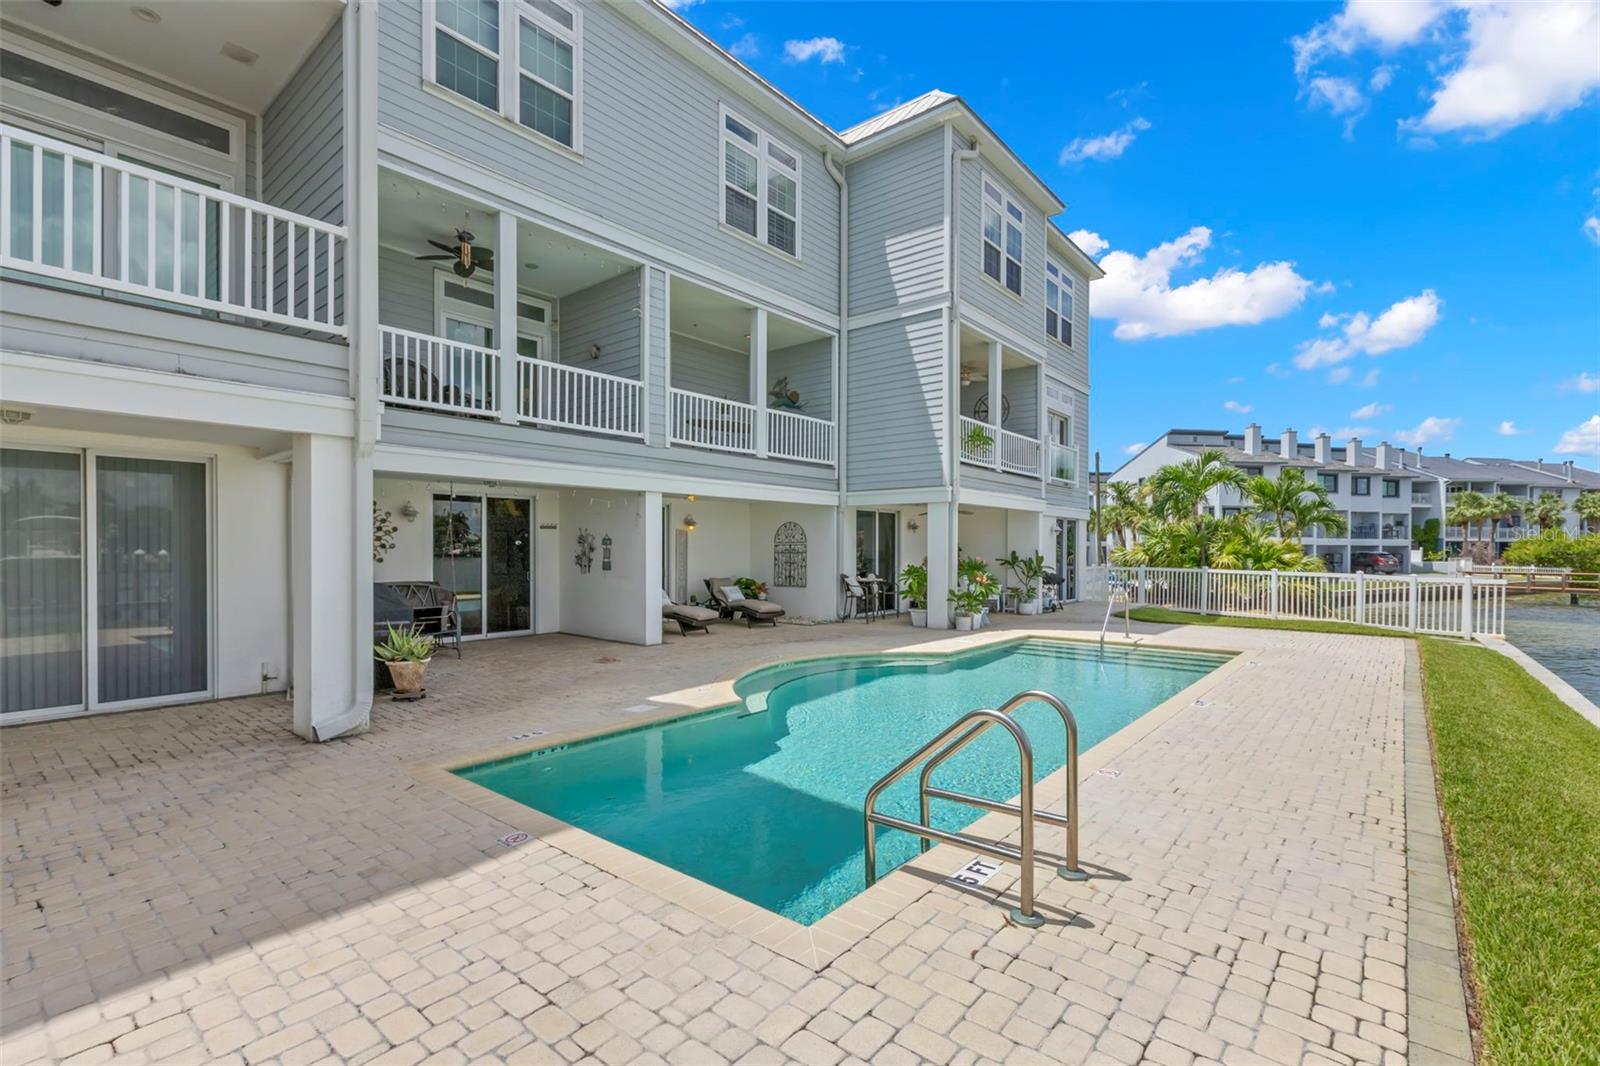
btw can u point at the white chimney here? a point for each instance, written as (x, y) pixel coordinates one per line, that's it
(1352, 451)
(1324, 448)
(1289, 445)
(1381, 456)
(1252, 439)
(1419, 457)
(1567, 469)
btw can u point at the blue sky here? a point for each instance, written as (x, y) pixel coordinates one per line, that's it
(1378, 217)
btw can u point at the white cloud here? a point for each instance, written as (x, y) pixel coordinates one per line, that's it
(1383, 24)
(1509, 428)
(746, 47)
(1369, 379)
(1278, 370)
(1338, 375)
(1134, 449)
(1236, 407)
(1106, 146)
(1091, 243)
(1591, 228)
(822, 49)
(1138, 292)
(1584, 382)
(1405, 323)
(1346, 432)
(1582, 439)
(1370, 411)
(1338, 95)
(1381, 78)
(1429, 429)
(1524, 61)
(681, 5)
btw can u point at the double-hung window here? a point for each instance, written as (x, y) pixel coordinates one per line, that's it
(1391, 489)
(1058, 303)
(1360, 485)
(519, 58)
(760, 185)
(1330, 482)
(1002, 237)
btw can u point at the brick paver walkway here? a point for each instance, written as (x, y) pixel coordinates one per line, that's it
(197, 884)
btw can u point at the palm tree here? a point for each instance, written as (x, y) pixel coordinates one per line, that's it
(1126, 512)
(1500, 508)
(1180, 490)
(1466, 509)
(1547, 511)
(1587, 508)
(1251, 546)
(1293, 504)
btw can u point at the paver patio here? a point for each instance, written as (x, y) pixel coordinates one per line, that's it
(198, 884)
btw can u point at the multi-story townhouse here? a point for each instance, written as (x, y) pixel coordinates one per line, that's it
(1386, 494)
(553, 302)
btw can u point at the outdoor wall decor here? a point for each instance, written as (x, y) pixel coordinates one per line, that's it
(789, 556)
(383, 531)
(783, 398)
(605, 552)
(585, 556)
(980, 408)
(680, 566)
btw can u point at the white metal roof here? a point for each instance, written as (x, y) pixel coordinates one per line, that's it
(895, 115)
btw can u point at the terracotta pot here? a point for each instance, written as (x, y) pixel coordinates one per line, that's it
(407, 676)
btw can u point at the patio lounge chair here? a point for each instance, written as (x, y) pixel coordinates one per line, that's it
(426, 605)
(690, 619)
(752, 611)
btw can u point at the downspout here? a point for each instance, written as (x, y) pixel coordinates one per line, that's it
(841, 391)
(952, 369)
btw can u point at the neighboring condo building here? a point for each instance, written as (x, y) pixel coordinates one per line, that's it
(553, 302)
(1385, 493)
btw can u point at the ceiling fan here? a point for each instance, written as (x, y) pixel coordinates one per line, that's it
(971, 373)
(468, 259)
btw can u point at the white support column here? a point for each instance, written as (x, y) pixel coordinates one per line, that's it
(324, 583)
(942, 545)
(505, 314)
(1043, 428)
(758, 376)
(654, 578)
(996, 400)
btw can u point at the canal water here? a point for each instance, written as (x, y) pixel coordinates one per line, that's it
(1562, 637)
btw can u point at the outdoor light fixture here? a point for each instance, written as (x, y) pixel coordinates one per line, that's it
(408, 511)
(689, 523)
(14, 416)
(911, 524)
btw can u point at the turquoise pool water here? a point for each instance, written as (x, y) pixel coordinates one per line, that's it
(766, 804)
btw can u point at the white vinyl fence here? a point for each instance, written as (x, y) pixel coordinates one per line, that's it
(1463, 606)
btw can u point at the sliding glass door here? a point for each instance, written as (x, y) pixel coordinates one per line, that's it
(876, 533)
(131, 628)
(483, 552)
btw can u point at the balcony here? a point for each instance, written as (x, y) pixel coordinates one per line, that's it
(1421, 499)
(998, 449)
(69, 214)
(1063, 463)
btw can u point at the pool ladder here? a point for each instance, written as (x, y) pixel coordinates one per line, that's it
(964, 731)
(1115, 588)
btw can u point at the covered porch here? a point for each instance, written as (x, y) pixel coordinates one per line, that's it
(1002, 408)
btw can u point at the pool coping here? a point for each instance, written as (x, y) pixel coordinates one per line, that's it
(837, 932)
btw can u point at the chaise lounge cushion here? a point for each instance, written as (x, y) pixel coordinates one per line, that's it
(693, 614)
(763, 608)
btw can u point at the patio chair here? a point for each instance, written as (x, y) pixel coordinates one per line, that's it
(432, 608)
(733, 604)
(857, 600)
(690, 619)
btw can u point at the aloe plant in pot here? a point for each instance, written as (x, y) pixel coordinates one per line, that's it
(914, 587)
(406, 652)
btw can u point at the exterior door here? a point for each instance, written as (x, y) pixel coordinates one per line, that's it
(41, 581)
(508, 589)
(458, 555)
(876, 543)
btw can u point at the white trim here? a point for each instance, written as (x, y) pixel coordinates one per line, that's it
(898, 497)
(999, 500)
(433, 462)
(894, 314)
(407, 154)
(1066, 285)
(1027, 348)
(75, 384)
(483, 494)
(766, 165)
(445, 306)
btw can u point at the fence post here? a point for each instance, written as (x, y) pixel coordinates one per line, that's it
(1413, 608)
(1141, 587)
(1466, 607)
(1205, 590)
(1361, 598)
(1273, 594)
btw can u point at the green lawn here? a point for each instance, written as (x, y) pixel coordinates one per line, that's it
(1519, 776)
(1184, 618)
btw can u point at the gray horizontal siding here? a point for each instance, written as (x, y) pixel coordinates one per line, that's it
(977, 478)
(425, 429)
(897, 413)
(709, 370)
(405, 292)
(897, 245)
(652, 150)
(50, 321)
(1025, 315)
(658, 358)
(1076, 496)
(302, 161)
(1073, 362)
(809, 368)
(607, 314)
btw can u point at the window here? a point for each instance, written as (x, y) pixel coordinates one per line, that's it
(1329, 481)
(1060, 428)
(464, 312)
(1391, 488)
(1251, 471)
(760, 186)
(519, 58)
(1002, 237)
(1360, 486)
(1058, 303)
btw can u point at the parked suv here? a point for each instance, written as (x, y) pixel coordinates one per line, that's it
(1374, 563)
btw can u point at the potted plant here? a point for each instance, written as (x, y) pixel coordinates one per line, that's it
(972, 574)
(977, 440)
(406, 652)
(914, 587)
(752, 589)
(968, 604)
(1029, 572)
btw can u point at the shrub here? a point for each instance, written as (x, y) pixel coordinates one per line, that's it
(1556, 549)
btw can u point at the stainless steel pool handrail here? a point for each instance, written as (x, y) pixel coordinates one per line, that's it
(1023, 913)
(1068, 821)
(1114, 588)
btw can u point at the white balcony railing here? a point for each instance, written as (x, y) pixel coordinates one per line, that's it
(1019, 454)
(568, 397)
(1063, 463)
(438, 374)
(800, 437)
(81, 216)
(977, 442)
(708, 422)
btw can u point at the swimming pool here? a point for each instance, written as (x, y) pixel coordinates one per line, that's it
(763, 798)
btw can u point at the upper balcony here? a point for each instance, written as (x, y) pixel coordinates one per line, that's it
(152, 219)
(1007, 440)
